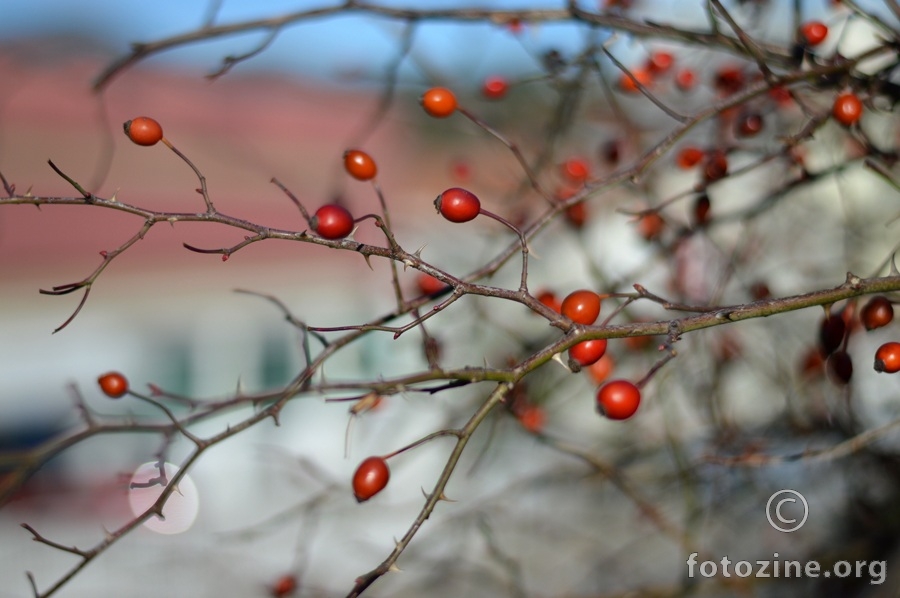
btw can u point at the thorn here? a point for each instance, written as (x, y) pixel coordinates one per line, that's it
(113, 198)
(444, 498)
(368, 263)
(894, 271)
(394, 568)
(28, 192)
(558, 358)
(853, 281)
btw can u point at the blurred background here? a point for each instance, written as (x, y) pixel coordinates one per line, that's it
(276, 500)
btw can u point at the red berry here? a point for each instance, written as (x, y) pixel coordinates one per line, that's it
(494, 88)
(439, 102)
(685, 79)
(360, 165)
(587, 353)
(581, 306)
(458, 205)
(811, 363)
(659, 62)
(332, 221)
(749, 124)
(759, 290)
(618, 399)
(628, 85)
(831, 333)
(689, 157)
(113, 384)
(611, 151)
(847, 109)
(650, 226)
(143, 130)
(716, 166)
(428, 284)
(813, 32)
(370, 478)
(780, 95)
(840, 367)
(576, 170)
(601, 370)
(887, 358)
(877, 312)
(549, 299)
(576, 215)
(532, 418)
(729, 80)
(701, 210)
(285, 586)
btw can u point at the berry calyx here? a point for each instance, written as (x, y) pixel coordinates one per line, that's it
(618, 399)
(458, 205)
(494, 88)
(370, 478)
(582, 307)
(439, 102)
(587, 353)
(887, 358)
(143, 130)
(332, 221)
(113, 384)
(876, 313)
(360, 165)
(847, 109)
(813, 32)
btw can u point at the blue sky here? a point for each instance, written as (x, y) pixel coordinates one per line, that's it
(351, 47)
(323, 47)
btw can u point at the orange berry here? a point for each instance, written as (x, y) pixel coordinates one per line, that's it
(439, 102)
(143, 130)
(601, 369)
(532, 418)
(628, 85)
(360, 165)
(813, 32)
(847, 109)
(113, 384)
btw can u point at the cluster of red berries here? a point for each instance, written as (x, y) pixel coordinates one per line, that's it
(834, 332)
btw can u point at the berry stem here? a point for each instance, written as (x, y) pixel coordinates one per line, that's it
(523, 282)
(296, 201)
(210, 209)
(514, 148)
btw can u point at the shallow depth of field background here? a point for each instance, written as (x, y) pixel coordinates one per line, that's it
(528, 521)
